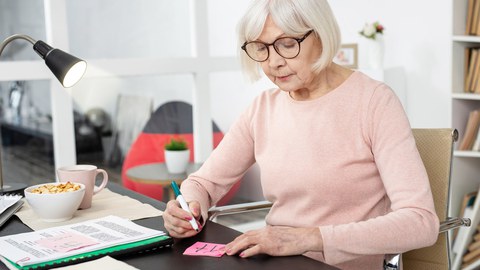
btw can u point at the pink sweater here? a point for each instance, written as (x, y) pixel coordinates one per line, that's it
(345, 162)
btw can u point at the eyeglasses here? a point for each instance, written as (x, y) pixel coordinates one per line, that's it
(286, 47)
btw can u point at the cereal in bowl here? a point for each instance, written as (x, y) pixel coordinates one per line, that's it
(58, 188)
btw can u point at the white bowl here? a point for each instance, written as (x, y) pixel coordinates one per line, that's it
(55, 207)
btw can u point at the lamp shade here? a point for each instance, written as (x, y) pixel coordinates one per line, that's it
(67, 68)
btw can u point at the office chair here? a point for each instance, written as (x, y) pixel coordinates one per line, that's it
(436, 149)
(131, 114)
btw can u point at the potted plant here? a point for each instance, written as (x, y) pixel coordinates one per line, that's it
(177, 155)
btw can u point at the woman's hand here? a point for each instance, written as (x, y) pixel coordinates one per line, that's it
(276, 241)
(177, 220)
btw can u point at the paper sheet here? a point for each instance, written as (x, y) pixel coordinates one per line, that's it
(104, 203)
(8, 200)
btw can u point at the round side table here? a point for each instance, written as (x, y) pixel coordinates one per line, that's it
(157, 173)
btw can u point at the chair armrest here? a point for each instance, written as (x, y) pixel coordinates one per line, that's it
(237, 208)
(392, 261)
(453, 223)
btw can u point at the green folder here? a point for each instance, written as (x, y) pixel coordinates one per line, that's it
(147, 245)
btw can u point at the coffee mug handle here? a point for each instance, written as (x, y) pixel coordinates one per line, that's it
(97, 189)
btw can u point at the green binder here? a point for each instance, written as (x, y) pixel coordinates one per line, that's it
(147, 245)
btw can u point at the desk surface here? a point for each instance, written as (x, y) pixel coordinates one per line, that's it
(173, 258)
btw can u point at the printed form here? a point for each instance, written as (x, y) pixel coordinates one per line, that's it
(64, 241)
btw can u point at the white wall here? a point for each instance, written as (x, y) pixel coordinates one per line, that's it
(417, 38)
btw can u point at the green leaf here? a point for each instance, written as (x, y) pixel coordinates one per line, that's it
(176, 145)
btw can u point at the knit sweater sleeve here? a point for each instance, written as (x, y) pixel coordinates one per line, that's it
(224, 167)
(411, 221)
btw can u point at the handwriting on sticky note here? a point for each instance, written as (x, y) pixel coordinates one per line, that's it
(205, 249)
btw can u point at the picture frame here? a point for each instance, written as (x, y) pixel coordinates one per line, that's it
(347, 56)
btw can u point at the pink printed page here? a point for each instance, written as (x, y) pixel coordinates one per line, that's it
(66, 242)
(205, 249)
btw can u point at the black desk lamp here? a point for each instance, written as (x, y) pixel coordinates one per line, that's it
(67, 68)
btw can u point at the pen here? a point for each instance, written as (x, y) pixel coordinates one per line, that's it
(184, 204)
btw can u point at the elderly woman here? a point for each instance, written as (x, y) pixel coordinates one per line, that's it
(335, 150)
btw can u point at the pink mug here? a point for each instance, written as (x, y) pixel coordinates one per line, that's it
(85, 174)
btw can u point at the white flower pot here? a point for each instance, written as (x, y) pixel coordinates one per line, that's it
(373, 51)
(177, 161)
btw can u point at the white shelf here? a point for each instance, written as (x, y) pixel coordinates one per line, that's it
(470, 154)
(472, 39)
(467, 96)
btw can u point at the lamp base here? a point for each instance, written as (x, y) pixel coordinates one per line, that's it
(13, 188)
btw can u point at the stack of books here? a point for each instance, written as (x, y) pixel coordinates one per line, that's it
(473, 251)
(466, 240)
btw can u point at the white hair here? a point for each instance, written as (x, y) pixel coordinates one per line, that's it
(295, 18)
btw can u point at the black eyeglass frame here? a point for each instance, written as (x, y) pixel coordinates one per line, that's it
(299, 40)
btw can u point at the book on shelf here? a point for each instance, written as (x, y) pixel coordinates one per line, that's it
(475, 244)
(466, 66)
(79, 242)
(470, 258)
(466, 212)
(476, 142)
(470, 69)
(476, 236)
(473, 251)
(475, 19)
(471, 130)
(469, 22)
(468, 200)
(476, 76)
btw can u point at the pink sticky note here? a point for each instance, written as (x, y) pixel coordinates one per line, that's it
(205, 249)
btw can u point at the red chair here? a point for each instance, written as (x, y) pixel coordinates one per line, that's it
(170, 119)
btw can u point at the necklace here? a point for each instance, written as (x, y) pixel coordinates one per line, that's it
(290, 94)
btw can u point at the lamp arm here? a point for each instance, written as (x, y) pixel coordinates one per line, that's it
(17, 36)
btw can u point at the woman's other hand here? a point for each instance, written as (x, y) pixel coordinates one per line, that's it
(276, 241)
(177, 220)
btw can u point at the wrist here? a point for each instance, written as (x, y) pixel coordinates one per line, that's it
(313, 239)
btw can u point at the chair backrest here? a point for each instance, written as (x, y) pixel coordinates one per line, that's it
(436, 148)
(132, 112)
